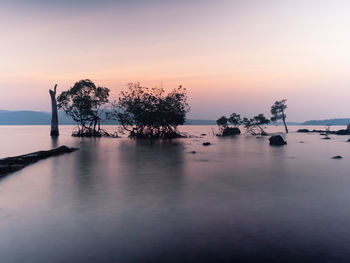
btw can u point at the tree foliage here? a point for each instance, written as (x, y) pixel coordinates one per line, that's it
(278, 112)
(84, 104)
(150, 112)
(255, 125)
(223, 121)
(235, 119)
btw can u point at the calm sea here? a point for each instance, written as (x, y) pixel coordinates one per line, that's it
(125, 200)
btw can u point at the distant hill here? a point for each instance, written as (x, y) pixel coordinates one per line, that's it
(345, 121)
(200, 122)
(30, 118)
(44, 118)
(288, 123)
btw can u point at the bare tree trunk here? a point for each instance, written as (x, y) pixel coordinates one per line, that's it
(285, 126)
(54, 118)
(284, 122)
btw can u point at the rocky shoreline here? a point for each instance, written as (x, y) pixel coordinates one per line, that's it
(12, 164)
(338, 132)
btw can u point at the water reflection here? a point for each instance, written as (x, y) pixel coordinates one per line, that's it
(152, 172)
(54, 141)
(123, 200)
(85, 163)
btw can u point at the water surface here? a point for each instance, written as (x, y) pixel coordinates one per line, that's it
(124, 200)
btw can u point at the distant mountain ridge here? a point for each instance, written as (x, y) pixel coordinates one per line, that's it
(44, 118)
(30, 118)
(343, 121)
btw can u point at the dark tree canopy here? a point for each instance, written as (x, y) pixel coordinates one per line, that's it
(84, 104)
(255, 125)
(150, 112)
(278, 112)
(223, 121)
(235, 119)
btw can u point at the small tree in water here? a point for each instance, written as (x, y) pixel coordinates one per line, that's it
(150, 112)
(278, 112)
(224, 125)
(84, 104)
(255, 125)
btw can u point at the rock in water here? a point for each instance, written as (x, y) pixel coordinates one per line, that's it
(206, 143)
(277, 140)
(303, 130)
(337, 157)
(348, 140)
(229, 131)
(12, 164)
(342, 132)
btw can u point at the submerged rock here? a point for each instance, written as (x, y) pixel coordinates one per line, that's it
(326, 138)
(206, 143)
(277, 140)
(303, 130)
(12, 164)
(193, 152)
(337, 157)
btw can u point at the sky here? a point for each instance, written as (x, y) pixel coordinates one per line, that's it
(231, 55)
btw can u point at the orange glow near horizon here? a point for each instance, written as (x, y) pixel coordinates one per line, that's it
(232, 56)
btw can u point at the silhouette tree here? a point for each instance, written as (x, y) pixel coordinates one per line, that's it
(224, 122)
(235, 119)
(278, 112)
(84, 104)
(255, 125)
(54, 119)
(150, 112)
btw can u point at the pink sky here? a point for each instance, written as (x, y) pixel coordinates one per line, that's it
(232, 56)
